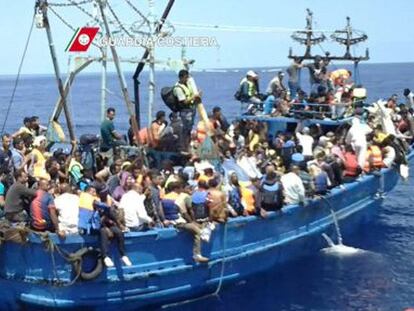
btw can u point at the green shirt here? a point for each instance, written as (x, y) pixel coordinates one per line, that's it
(107, 136)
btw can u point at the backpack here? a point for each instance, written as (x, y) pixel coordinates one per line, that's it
(169, 98)
(238, 95)
(270, 195)
(199, 205)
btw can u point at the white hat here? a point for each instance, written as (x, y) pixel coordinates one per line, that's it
(38, 140)
(251, 73)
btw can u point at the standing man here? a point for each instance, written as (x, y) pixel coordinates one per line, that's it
(316, 72)
(185, 96)
(110, 138)
(293, 72)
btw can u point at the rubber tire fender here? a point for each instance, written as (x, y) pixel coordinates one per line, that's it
(77, 264)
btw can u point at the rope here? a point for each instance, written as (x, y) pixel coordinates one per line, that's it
(16, 82)
(118, 21)
(77, 5)
(52, 247)
(146, 20)
(242, 28)
(67, 24)
(72, 3)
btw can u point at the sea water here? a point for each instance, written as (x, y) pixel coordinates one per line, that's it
(381, 277)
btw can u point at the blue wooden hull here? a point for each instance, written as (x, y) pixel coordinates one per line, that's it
(163, 269)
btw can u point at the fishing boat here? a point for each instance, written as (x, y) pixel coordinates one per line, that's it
(44, 272)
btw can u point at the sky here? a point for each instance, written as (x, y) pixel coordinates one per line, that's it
(388, 25)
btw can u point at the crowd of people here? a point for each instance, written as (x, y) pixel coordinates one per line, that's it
(332, 94)
(251, 171)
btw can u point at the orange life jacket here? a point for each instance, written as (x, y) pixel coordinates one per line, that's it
(351, 164)
(373, 159)
(376, 156)
(247, 196)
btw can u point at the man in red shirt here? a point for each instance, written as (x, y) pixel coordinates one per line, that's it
(43, 214)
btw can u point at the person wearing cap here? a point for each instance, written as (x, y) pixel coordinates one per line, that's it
(249, 92)
(186, 97)
(276, 86)
(38, 158)
(305, 140)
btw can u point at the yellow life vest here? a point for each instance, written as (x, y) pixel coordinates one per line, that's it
(39, 168)
(251, 87)
(188, 92)
(86, 201)
(248, 199)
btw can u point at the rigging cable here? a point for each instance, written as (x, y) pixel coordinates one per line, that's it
(72, 3)
(18, 75)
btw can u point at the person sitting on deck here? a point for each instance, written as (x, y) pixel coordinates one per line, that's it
(320, 179)
(216, 202)
(76, 168)
(135, 214)
(86, 209)
(38, 159)
(173, 216)
(276, 86)
(67, 206)
(17, 198)
(199, 202)
(110, 229)
(248, 92)
(43, 215)
(271, 192)
(293, 189)
(352, 168)
(235, 196)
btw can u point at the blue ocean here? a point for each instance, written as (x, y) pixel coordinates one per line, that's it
(381, 277)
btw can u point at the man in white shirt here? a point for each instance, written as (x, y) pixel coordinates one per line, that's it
(305, 140)
(293, 189)
(357, 138)
(67, 205)
(135, 213)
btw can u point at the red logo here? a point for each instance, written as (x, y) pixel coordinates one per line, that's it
(82, 39)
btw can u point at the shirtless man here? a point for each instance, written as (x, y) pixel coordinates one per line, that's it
(216, 202)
